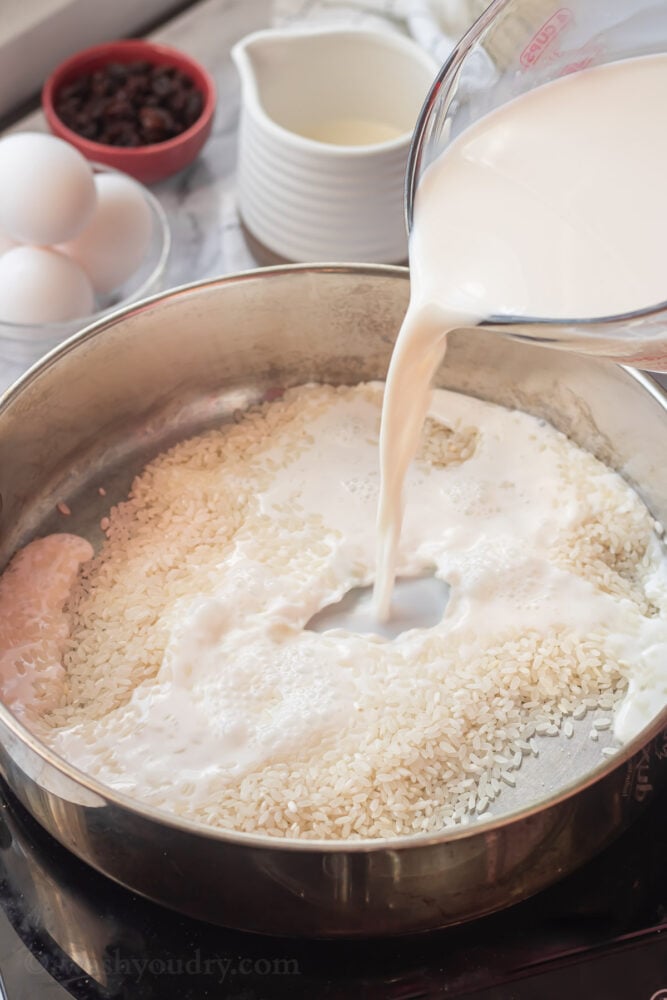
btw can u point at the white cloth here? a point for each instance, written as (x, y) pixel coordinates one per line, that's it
(434, 24)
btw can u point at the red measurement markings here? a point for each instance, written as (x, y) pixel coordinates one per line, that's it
(587, 57)
(549, 31)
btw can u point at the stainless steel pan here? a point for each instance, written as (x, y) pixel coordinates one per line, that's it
(96, 409)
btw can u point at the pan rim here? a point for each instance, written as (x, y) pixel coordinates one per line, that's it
(362, 846)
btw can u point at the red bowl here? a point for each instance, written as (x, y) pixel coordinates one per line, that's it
(147, 163)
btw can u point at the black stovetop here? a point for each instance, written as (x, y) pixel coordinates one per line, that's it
(66, 931)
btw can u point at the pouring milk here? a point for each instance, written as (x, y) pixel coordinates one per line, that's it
(554, 205)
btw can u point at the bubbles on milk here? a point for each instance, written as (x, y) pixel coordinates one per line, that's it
(365, 488)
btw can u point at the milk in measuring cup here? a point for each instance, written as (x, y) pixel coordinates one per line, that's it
(554, 205)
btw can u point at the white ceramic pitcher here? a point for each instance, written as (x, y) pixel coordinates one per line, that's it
(325, 130)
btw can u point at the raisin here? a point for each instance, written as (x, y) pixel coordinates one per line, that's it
(116, 72)
(130, 104)
(119, 107)
(162, 86)
(155, 118)
(194, 107)
(88, 130)
(100, 85)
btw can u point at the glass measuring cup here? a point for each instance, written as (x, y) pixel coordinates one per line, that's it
(515, 46)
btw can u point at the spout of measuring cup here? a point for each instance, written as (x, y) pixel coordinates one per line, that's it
(636, 340)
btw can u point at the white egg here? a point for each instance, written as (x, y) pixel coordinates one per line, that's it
(47, 190)
(38, 285)
(114, 243)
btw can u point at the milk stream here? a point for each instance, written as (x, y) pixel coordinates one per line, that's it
(543, 208)
(554, 205)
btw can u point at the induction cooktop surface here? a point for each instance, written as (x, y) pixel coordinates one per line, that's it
(66, 931)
